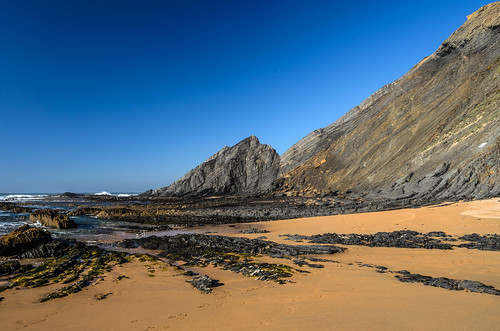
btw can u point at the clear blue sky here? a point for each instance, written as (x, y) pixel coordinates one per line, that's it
(130, 95)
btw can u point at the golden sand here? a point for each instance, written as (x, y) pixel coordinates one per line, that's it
(338, 297)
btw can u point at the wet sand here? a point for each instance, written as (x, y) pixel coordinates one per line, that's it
(341, 296)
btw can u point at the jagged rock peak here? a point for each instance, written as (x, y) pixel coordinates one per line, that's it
(248, 167)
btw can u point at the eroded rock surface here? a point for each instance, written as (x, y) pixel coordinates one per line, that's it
(248, 167)
(204, 283)
(189, 245)
(23, 239)
(486, 243)
(447, 283)
(432, 134)
(14, 208)
(51, 218)
(401, 239)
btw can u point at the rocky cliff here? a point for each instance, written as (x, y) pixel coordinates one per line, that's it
(248, 167)
(434, 132)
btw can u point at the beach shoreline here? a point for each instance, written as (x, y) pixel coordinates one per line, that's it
(342, 295)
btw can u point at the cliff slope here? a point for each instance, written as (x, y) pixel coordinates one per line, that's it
(434, 132)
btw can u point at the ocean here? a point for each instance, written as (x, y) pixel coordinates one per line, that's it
(90, 229)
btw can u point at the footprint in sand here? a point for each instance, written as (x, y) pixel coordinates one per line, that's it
(178, 316)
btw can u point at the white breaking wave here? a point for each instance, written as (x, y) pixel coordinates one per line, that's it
(116, 195)
(103, 193)
(22, 197)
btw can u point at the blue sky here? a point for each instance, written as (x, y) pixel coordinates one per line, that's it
(130, 95)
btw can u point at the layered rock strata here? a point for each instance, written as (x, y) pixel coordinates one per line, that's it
(23, 239)
(248, 167)
(434, 133)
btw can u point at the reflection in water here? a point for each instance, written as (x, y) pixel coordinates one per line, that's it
(89, 229)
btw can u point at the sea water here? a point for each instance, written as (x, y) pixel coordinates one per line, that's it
(89, 229)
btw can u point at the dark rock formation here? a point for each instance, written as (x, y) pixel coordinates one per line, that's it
(194, 211)
(230, 253)
(189, 245)
(249, 167)
(76, 265)
(432, 134)
(51, 218)
(449, 284)
(253, 231)
(9, 267)
(204, 283)
(70, 195)
(401, 239)
(404, 239)
(22, 239)
(14, 208)
(50, 249)
(485, 243)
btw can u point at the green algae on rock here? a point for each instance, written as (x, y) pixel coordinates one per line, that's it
(23, 239)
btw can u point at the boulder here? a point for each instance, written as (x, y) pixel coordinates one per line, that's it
(14, 208)
(23, 239)
(204, 283)
(51, 218)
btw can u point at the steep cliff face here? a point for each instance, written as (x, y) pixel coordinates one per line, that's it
(433, 132)
(249, 167)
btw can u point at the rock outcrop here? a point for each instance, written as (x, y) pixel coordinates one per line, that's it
(51, 218)
(50, 249)
(204, 283)
(23, 239)
(14, 208)
(432, 134)
(248, 167)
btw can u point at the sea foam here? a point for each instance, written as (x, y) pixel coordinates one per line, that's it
(22, 197)
(123, 195)
(103, 193)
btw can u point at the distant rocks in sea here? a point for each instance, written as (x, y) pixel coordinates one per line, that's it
(51, 218)
(14, 208)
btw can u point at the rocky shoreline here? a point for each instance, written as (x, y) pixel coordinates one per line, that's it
(75, 265)
(198, 211)
(239, 255)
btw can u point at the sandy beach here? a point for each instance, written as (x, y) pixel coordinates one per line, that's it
(340, 296)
